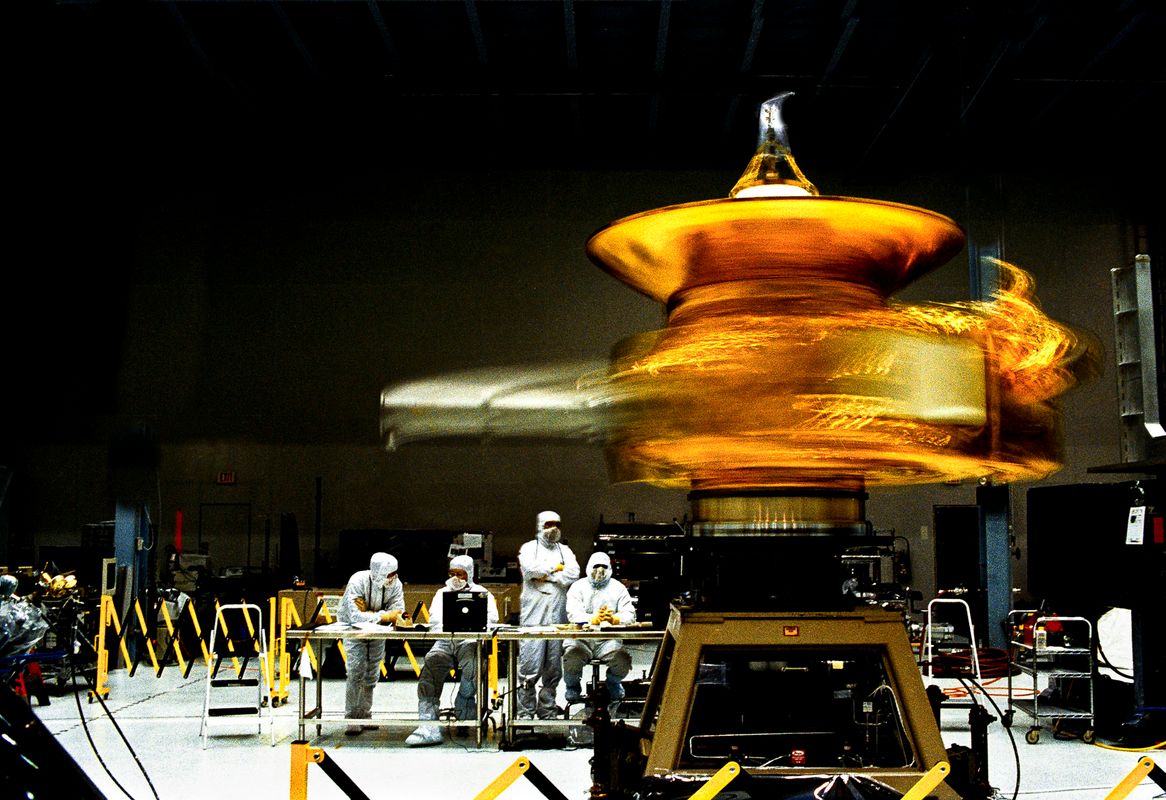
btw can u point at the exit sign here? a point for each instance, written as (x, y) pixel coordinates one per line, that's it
(226, 478)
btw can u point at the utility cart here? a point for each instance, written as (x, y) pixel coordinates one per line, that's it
(1056, 655)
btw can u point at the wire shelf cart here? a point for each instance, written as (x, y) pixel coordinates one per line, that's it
(1056, 655)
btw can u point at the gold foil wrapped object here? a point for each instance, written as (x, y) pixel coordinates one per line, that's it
(786, 366)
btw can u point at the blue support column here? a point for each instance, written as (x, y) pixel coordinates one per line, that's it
(996, 556)
(125, 535)
(985, 243)
(131, 534)
(125, 544)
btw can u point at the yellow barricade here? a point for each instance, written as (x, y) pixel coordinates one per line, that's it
(1144, 767)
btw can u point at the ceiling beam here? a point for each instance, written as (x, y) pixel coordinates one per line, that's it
(476, 31)
(569, 36)
(571, 40)
(920, 68)
(391, 55)
(1012, 50)
(195, 46)
(848, 28)
(662, 34)
(293, 34)
(756, 22)
(661, 48)
(1114, 41)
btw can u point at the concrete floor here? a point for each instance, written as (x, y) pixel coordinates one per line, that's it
(160, 717)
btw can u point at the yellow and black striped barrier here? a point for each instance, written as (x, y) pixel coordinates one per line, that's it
(720, 779)
(932, 778)
(276, 669)
(522, 768)
(1145, 767)
(289, 618)
(106, 617)
(302, 755)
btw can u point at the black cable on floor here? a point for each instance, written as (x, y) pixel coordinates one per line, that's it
(108, 713)
(1101, 658)
(92, 744)
(1007, 729)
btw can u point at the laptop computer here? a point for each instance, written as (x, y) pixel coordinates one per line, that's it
(463, 612)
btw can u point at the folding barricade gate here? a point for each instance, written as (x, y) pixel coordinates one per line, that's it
(135, 624)
(276, 661)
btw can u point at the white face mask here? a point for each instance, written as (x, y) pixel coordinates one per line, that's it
(552, 535)
(599, 574)
(389, 581)
(457, 584)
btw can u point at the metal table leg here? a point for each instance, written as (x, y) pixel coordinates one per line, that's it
(303, 694)
(320, 692)
(511, 689)
(478, 669)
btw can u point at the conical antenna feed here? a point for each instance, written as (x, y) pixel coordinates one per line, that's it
(773, 172)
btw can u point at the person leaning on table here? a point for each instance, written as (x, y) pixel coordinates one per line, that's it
(373, 595)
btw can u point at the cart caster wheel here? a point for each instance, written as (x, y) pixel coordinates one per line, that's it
(1006, 719)
(263, 703)
(1089, 736)
(1033, 736)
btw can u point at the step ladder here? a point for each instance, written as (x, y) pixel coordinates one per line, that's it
(243, 695)
(935, 646)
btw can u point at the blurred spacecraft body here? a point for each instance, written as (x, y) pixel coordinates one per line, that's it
(536, 401)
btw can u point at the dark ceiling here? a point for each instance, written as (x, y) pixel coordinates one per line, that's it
(119, 106)
(659, 83)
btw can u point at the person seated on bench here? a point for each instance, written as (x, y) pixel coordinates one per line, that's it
(447, 652)
(597, 598)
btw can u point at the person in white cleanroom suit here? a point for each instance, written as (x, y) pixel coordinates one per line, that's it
(444, 653)
(373, 595)
(548, 569)
(595, 599)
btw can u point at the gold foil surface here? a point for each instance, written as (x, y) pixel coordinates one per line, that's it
(784, 364)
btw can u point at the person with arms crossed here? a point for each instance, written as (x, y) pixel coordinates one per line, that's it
(548, 569)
